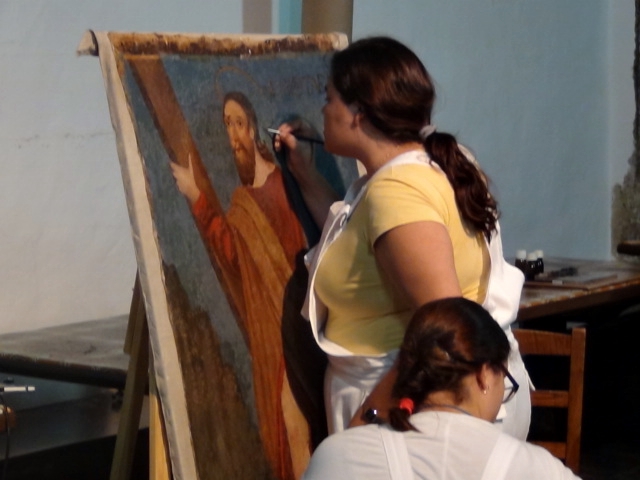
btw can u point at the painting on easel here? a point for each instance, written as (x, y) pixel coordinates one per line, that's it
(220, 230)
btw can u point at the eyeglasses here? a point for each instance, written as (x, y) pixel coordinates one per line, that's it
(509, 390)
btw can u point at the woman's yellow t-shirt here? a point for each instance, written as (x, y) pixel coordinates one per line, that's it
(364, 315)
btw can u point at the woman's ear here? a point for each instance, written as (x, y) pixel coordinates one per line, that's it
(483, 378)
(490, 383)
(354, 108)
(358, 114)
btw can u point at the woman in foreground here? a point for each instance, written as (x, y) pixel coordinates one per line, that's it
(420, 225)
(449, 389)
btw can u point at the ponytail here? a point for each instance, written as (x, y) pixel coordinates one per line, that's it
(399, 419)
(477, 206)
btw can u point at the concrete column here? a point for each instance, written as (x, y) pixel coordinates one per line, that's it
(256, 16)
(321, 16)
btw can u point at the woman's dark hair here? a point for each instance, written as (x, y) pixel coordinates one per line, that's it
(391, 86)
(446, 340)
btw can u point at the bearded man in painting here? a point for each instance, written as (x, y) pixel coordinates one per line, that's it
(254, 245)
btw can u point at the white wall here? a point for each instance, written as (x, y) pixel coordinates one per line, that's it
(530, 87)
(67, 253)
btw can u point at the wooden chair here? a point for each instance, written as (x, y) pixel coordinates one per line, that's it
(536, 342)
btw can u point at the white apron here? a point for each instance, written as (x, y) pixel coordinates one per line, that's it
(399, 461)
(350, 378)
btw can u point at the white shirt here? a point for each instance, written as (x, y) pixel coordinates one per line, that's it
(448, 446)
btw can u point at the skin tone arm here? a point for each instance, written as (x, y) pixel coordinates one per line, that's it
(316, 191)
(420, 275)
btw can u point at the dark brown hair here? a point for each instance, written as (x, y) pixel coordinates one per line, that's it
(446, 340)
(391, 86)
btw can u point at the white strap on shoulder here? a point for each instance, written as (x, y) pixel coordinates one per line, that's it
(395, 448)
(500, 459)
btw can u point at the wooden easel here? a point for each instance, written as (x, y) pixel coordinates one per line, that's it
(139, 375)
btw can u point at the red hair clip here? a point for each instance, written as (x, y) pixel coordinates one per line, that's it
(406, 404)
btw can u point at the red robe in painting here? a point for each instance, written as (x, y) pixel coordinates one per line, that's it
(255, 244)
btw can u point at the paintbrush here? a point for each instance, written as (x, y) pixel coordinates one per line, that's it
(303, 138)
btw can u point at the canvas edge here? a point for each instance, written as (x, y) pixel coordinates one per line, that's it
(149, 261)
(146, 245)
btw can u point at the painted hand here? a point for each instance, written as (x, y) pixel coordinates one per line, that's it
(186, 181)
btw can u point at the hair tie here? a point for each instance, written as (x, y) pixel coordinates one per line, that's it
(427, 130)
(406, 404)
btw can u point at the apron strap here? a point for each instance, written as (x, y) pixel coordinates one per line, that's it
(500, 458)
(395, 448)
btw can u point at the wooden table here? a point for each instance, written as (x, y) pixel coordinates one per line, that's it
(609, 383)
(89, 353)
(622, 287)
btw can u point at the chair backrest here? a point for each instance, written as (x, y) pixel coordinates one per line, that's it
(536, 342)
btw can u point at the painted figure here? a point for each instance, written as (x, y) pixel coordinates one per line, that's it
(255, 244)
